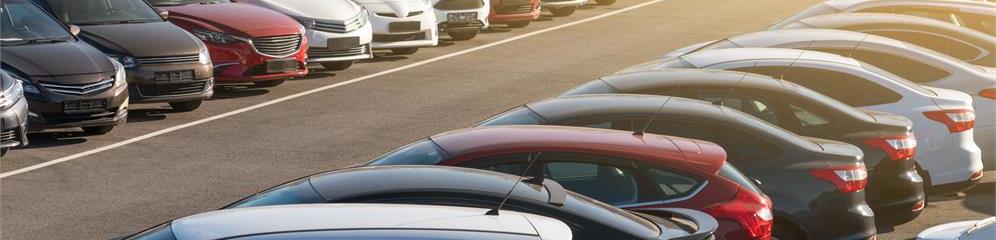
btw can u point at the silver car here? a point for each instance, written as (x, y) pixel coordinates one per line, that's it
(978, 15)
(13, 114)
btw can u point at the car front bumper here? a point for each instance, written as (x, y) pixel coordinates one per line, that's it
(553, 4)
(443, 23)
(15, 125)
(46, 111)
(504, 14)
(318, 50)
(383, 38)
(143, 86)
(240, 63)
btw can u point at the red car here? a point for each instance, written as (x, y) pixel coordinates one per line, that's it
(514, 13)
(248, 44)
(616, 167)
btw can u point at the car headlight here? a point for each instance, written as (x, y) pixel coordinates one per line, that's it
(204, 57)
(214, 37)
(128, 62)
(120, 78)
(26, 84)
(11, 95)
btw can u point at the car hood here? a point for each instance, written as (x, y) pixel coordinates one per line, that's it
(231, 18)
(50, 59)
(317, 9)
(398, 7)
(143, 39)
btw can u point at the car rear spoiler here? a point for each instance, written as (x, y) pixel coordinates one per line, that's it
(706, 225)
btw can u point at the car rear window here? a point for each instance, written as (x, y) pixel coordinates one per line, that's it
(597, 86)
(423, 152)
(295, 192)
(733, 174)
(517, 116)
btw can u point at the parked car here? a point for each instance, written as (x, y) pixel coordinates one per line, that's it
(894, 191)
(562, 8)
(91, 93)
(959, 42)
(402, 26)
(247, 44)
(13, 114)
(359, 221)
(450, 186)
(614, 167)
(461, 19)
(810, 181)
(966, 230)
(912, 62)
(338, 32)
(164, 63)
(979, 16)
(942, 119)
(514, 13)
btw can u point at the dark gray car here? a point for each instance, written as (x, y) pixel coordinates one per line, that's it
(13, 114)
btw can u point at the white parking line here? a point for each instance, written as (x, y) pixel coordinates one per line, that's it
(305, 93)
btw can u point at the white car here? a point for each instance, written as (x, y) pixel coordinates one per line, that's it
(984, 229)
(912, 62)
(942, 118)
(562, 8)
(359, 221)
(402, 26)
(980, 16)
(462, 19)
(337, 30)
(962, 43)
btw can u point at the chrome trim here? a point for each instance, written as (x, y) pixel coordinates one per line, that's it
(67, 89)
(658, 202)
(251, 44)
(168, 60)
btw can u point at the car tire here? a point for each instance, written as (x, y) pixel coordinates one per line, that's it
(463, 35)
(404, 51)
(270, 83)
(564, 11)
(519, 24)
(99, 130)
(605, 2)
(186, 106)
(337, 66)
(785, 232)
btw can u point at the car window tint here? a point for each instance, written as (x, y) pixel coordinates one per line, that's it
(748, 148)
(517, 116)
(609, 184)
(732, 173)
(806, 118)
(983, 23)
(674, 185)
(909, 69)
(296, 192)
(509, 168)
(938, 43)
(837, 85)
(757, 107)
(423, 152)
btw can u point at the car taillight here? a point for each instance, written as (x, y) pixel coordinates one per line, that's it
(848, 179)
(898, 148)
(988, 93)
(957, 120)
(751, 210)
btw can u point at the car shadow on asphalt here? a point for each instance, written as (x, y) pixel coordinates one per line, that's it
(980, 198)
(55, 139)
(230, 92)
(384, 57)
(147, 115)
(315, 74)
(496, 29)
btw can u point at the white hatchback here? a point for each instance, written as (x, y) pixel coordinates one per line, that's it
(976, 15)
(337, 30)
(942, 119)
(402, 26)
(461, 19)
(912, 62)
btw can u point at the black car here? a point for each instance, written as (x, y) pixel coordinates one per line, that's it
(895, 190)
(816, 186)
(165, 63)
(67, 82)
(451, 186)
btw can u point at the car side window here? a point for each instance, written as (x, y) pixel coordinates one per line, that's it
(840, 86)
(807, 118)
(938, 43)
(911, 69)
(674, 185)
(759, 107)
(609, 184)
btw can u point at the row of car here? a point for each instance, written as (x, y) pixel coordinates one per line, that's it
(803, 131)
(175, 51)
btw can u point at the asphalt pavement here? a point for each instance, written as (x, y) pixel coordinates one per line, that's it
(164, 165)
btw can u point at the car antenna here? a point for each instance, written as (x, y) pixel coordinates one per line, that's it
(857, 45)
(735, 86)
(782, 76)
(652, 118)
(532, 160)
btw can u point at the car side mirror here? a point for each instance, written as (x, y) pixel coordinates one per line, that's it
(163, 13)
(75, 30)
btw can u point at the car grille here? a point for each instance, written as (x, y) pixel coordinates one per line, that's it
(392, 15)
(167, 60)
(8, 136)
(459, 4)
(398, 37)
(277, 46)
(330, 27)
(510, 9)
(79, 89)
(72, 117)
(323, 53)
(171, 89)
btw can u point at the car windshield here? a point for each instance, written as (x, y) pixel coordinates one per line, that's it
(898, 79)
(95, 12)
(184, 2)
(424, 152)
(23, 22)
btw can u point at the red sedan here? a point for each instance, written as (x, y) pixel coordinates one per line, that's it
(623, 169)
(248, 44)
(514, 13)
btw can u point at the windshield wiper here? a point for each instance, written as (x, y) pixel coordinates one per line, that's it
(45, 40)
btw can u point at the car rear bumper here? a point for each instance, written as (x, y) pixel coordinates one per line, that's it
(985, 137)
(952, 159)
(895, 188)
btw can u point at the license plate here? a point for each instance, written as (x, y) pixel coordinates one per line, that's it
(84, 106)
(335, 44)
(174, 76)
(404, 26)
(515, 2)
(461, 17)
(281, 65)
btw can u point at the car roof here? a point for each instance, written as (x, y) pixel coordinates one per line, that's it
(785, 36)
(849, 19)
(844, 4)
(659, 149)
(702, 59)
(311, 217)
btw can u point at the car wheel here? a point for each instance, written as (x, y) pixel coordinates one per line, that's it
(337, 66)
(100, 130)
(270, 83)
(563, 12)
(404, 51)
(463, 35)
(519, 24)
(605, 2)
(186, 106)
(785, 232)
